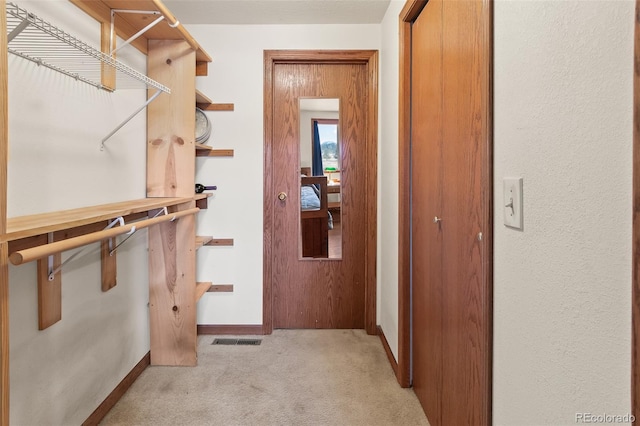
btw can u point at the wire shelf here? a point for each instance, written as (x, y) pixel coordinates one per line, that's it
(35, 39)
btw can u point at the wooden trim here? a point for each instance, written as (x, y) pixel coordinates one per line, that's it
(108, 264)
(221, 242)
(408, 14)
(370, 58)
(4, 247)
(202, 69)
(110, 401)
(221, 288)
(635, 297)
(215, 107)
(387, 349)
(207, 151)
(212, 329)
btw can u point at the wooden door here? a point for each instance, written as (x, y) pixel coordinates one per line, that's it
(426, 170)
(314, 293)
(451, 225)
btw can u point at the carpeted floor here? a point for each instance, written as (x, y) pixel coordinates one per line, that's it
(295, 377)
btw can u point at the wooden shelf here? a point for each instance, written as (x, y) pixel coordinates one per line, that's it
(201, 289)
(202, 99)
(210, 106)
(202, 241)
(32, 225)
(128, 24)
(208, 151)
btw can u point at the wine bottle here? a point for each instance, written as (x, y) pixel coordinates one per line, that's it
(201, 188)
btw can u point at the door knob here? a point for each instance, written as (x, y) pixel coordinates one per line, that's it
(437, 219)
(282, 196)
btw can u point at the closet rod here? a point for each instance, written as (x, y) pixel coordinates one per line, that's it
(28, 255)
(173, 22)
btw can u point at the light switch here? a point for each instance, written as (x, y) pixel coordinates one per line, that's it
(513, 202)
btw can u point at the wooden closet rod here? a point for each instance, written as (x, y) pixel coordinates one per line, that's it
(28, 255)
(174, 22)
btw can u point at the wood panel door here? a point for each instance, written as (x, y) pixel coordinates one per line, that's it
(451, 214)
(320, 293)
(426, 209)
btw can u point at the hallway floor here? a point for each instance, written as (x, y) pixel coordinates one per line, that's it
(294, 377)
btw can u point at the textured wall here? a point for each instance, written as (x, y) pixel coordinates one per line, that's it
(60, 375)
(388, 175)
(563, 98)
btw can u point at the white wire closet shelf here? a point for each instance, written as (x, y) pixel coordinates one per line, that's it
(35, 39)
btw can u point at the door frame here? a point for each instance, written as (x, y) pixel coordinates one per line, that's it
(370, 59)
(408, 15)
(635, 283)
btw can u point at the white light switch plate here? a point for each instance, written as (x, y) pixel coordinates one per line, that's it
(513, 202)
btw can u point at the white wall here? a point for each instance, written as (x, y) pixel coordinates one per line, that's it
(236, 75)
(388, 175)
(60, 375)
(563, 122)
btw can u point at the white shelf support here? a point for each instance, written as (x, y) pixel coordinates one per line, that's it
(151, 99)
(136, 35)
(53, 272)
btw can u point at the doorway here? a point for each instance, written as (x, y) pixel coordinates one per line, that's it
(303, 286)
(445, 193)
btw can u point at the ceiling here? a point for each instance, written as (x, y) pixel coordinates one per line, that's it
(258, 12)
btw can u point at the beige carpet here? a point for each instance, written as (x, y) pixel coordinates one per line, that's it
(295, 377)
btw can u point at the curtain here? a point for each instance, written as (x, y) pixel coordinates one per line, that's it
(316, 169)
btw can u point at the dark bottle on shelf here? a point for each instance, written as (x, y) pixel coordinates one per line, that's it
(201, 188)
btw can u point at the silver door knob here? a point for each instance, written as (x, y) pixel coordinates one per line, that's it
(437, 219)
(282, 196)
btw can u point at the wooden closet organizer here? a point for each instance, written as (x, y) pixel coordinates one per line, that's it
(174, 58)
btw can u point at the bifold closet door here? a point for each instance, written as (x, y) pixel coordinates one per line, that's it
(449, 125)
(466, 350)
(426, 175)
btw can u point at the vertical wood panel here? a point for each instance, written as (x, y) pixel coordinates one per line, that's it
(171, 121)
(171, 172)
(108, 264)
(635, 346)
(426, 204)
(49, 293)
(466, 290)
(4, 249)
(108, 73)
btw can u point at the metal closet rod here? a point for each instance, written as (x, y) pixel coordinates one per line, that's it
(34, 253)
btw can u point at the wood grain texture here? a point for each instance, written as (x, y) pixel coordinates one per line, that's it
(313, 294)
(49, 293)
(171, 121)
(128, 24)
(4, 325)
(427, 182)
(172, 292)
(110, 401)
(201, 98)
(409, 13)
(108, 264)
(202, 240)
(201, 289)
(466, 286)
(32, 225)
(4, 249)
(202, 68)
(268, 193)
(38, 252)
(221, 242)
(207, 151)
(107, 72)
(216, 107)
(635, 344)
(231, 329)
(221, 288)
